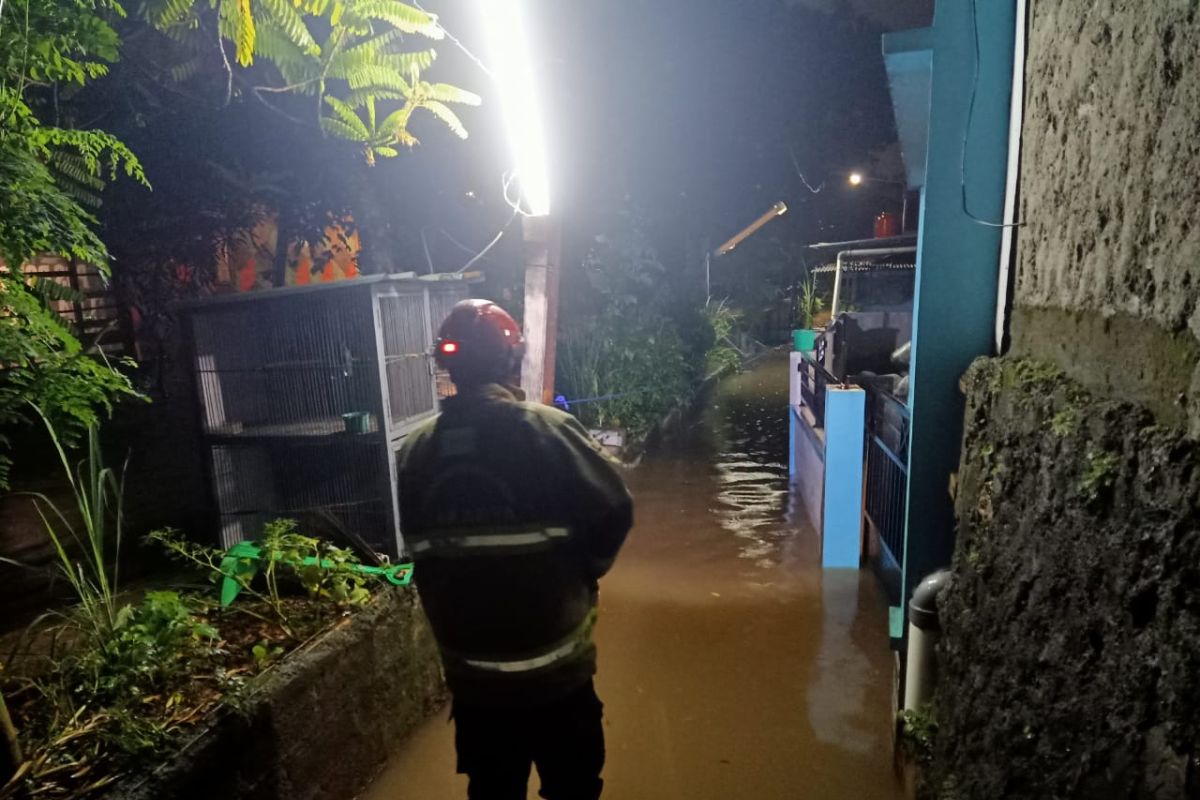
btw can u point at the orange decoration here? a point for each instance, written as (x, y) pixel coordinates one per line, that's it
(247, 276)
(327, 273)
(352, 269)
(304, 272)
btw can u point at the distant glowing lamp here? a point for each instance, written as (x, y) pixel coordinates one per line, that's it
(449, 348)
(517, 91)
(856, 178)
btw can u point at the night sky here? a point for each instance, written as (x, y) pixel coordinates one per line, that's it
(696, 115)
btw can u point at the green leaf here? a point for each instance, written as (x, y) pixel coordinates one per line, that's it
(244, 30)
(446, 93)
(283, 16)
(402, 16)
(378, 77)
(447, 116)
(349, 119)
(397, 121)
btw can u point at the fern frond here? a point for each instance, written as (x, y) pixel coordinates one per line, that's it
(445, 93)
(378, 77)
(164, 14)
(75, 167)
(372, 53)
(50, 291)
(396, 122)
(276, 46)
(377, 44)
(186, 70)
(80, 194)
(341, 130)
(349, 119)
(244, 33)
(358, 98)
(407, 63)
(283, 15)
(443, 112)
(397, 14)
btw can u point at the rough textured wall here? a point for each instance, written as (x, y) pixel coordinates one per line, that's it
(321, 724)
(1070, 662)
(1109, 177)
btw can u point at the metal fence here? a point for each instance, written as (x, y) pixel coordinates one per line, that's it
(93, 310)
(887, 476)
(814, 379)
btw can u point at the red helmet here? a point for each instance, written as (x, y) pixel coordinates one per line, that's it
(479, 342)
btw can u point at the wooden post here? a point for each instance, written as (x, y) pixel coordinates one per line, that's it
(542, 238)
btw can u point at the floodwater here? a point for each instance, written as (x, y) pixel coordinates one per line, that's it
(731, 666)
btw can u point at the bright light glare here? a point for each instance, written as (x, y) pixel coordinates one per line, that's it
(856, 178)
(517, 90)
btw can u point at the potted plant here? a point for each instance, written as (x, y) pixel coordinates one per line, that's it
(809, 305)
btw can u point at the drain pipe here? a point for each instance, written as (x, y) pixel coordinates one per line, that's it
(837, 275)
(924, 631)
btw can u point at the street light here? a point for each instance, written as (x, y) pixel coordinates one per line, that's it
(517, 90)
(857, 179)
(778, 210)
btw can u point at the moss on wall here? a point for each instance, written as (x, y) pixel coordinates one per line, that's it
(1118, 356)
(1071, 658)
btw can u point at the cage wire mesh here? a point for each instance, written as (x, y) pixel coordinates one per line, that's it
(304, 400)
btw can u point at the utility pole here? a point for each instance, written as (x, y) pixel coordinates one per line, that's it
(542, 240)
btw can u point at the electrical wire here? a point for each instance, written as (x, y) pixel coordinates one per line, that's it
(499, 235)
(506, 182)
(474, 58)
(796, 166)
(967, 129)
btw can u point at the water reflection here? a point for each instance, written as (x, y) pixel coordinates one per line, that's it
(731, 665)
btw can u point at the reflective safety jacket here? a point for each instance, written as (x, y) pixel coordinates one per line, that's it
(511, 512)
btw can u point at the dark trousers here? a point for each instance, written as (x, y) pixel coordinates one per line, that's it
(564, 739)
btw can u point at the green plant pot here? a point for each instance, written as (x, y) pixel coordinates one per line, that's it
(357, 422)
(804, 340)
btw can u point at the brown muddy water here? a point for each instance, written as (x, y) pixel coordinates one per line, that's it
(731, 665)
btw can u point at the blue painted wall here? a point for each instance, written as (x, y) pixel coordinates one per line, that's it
(842, 516)
(957, 258)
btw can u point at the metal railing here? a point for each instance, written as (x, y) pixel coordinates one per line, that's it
(814, 379)
(887, 472)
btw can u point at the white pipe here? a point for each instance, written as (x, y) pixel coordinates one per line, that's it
(1015, 118)
(871, 251)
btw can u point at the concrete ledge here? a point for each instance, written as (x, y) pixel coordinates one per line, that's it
(321, 724)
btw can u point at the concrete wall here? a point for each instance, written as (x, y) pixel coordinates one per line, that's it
(322, 724)
(1109, 255)
(1071, 660)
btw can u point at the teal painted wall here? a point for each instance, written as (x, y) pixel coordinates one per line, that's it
(957, 258)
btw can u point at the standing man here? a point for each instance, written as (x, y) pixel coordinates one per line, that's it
(512, 513)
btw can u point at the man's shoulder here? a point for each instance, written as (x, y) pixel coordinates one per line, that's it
(546, 415)
(421, 432)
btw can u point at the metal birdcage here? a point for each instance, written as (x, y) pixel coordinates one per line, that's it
(306, 394)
